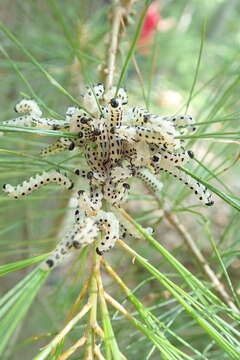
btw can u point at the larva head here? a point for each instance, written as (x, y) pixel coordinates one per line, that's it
(115, 103)
(26, 106)
(70, 111)
(121, 94)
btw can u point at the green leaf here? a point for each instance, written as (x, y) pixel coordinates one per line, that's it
(16, 303)
(21, 264)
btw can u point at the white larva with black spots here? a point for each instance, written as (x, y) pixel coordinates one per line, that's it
(27, 106)
(53, 149)
(199, 190)
(182, 121)
(20, 121)
(80, 235)
(34, 183)
(108, 224)
(50, 124)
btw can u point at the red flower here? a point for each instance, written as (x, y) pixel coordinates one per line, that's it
(150, 24)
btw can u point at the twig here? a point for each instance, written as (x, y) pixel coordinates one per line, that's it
(70, 325)
(98, 353)
(73, 348)
(120, 13)
(118, 306)
(187, 238)
(92, 320)
(114, 42)
(78, 300)
(109, 337)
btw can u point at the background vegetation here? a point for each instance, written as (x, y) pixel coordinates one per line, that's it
(190, 61)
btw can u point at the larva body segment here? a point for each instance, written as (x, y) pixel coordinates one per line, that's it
(175, 159)
(92, 97)
(137, 116)
(114, 116)
(182, 121)
(150, 180)
(20, 121)
(50, 124)
(62, 144)
(109, 225)
(53, 149)
(85, 203)
(96, 197)
(80, 121)
(120, 173)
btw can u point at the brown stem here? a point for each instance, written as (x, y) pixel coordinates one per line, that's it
(73, 348)
(113, 44)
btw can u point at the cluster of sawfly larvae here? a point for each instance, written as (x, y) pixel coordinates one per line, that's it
(119, 142)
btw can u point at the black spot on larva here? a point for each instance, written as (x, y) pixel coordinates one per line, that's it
(80, 134)
(71, 186)
(71, 146)
(4, 186)
(77, 171)
(90, 175)
(76, 244)
(191, 154)
(126, 186)
(50, 262)
(210, 203)
(96, 132)
(99, 252)
(146, 118)
(155, 158)
(81, 192)
(114, 103)
(84, 120)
